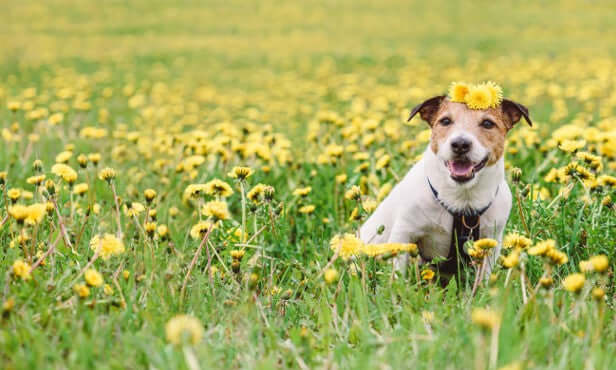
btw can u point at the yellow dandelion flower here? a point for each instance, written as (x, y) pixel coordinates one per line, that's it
(478, 97)
(237, 254)
(346, 245)
(427, 274)
(512, 260)
(598, 293)
(342, 178)
(184, 329)
(149, 195)
(599, 263)
(35, 180)
(571, 146)
(240, 173)
(218, 210)
(80, 189)
(556, 257)
(21, 269)
(516, 241)
(574, 282)
(36, 212)
(82, 290)
(331, 276)
(354, 193)
(485, 243)
(107, 245)
(458, 92)
(302, 192)
(93, 277)
(546, 282)
(485, 318)
(383, 162)
(256, 193)
(496, 93)
(19, 212)
(219, 188)
(14, 194)
(198, 231)
(63, 157)
(307, 209)
(107, 174)
(65, 172)
(384, 191)
(541, 248)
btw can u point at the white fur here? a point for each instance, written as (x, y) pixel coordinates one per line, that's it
(410, 213)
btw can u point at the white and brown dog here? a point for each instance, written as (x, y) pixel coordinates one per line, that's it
(457, 191)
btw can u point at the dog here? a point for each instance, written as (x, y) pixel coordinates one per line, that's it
(457, 191)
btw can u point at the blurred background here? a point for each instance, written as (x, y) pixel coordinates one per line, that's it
(285, 61)
(259, 32)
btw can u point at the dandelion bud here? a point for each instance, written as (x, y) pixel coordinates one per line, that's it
(268, 193)
(330, 276)
(82, 160)
(37, 165)
(14, 195)
(354, 193)
(516, 174)
(486, 319)
(253, 280)
(235, 266)
(287, 294)
(237, 254)
(598, 293)
(546, 282)
(3, 176)
(150, 228)
(149, 195)
(13, 106)
(380, 230)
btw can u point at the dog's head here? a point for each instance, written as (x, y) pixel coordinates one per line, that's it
(467, 140)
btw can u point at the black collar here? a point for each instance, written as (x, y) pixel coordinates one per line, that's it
(466, 212)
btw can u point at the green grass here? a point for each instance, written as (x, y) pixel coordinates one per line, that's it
(276, 67)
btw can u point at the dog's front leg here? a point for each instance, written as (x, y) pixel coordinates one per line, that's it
(402, 233)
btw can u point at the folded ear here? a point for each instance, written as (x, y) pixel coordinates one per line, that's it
(515, 111)
(427, 109)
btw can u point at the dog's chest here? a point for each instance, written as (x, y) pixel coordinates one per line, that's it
(436, 236)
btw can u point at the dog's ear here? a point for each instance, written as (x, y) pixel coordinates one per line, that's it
(515, 111)
(427, 109)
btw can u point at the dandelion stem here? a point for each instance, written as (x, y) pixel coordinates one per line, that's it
(117, 208)
(522, 218)
(67, 241)
(494, 347)
(51, 249)
(194, 261)
(243, 238)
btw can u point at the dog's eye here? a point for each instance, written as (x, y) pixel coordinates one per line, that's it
(486, 123)
(445, 121)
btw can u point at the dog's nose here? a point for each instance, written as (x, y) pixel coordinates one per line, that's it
(460, 145)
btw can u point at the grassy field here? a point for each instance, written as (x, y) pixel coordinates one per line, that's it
(130, 238)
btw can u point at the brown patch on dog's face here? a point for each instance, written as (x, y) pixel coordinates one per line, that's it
(488, 126)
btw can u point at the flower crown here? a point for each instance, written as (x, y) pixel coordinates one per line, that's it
(481, 96)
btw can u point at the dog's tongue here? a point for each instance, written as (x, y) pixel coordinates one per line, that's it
(461, 168)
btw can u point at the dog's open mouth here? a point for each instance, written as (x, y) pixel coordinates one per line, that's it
(463, 169)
